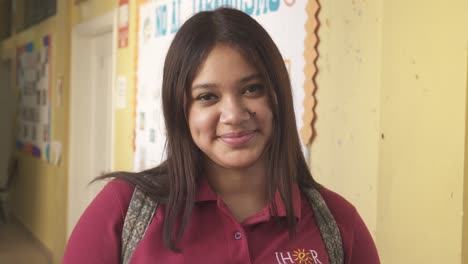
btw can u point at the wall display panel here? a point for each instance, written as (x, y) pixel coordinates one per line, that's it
(34, 106)
(291, 23)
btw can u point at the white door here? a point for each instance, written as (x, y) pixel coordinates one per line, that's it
(101, 117)
(91, 114)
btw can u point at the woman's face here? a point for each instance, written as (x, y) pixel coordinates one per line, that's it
(229, 116)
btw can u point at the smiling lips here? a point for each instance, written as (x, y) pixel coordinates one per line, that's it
(237, 138)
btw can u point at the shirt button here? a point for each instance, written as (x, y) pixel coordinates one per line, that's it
(237, 235)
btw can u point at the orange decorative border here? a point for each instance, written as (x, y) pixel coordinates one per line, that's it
(310, 70)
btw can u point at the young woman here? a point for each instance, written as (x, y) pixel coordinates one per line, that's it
(235, 187)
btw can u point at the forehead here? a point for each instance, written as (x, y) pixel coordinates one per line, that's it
(224, 63)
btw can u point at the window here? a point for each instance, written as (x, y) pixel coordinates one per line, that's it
(37, 11)
(33, 12)
(18, 15)
(5, 18)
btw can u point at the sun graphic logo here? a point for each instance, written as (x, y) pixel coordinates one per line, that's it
(298, 256)
(302, 256)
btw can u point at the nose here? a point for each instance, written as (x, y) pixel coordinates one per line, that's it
(234, 111)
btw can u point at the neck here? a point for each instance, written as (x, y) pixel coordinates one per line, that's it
(234, 182)
(243, 191)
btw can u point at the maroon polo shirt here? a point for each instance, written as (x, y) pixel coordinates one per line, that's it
(213, 235)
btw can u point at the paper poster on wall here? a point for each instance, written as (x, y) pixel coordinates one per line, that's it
(157, 23)
(33, 83)
(121, 92)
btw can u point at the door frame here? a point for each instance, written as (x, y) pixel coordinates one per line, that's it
(81, 83)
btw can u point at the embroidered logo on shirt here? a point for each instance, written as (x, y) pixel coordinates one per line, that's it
(298, 256)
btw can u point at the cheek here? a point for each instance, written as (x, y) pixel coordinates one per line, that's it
(268, 123)
(265, 114)
(202, 123)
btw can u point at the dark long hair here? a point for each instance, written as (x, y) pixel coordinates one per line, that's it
(173, 183)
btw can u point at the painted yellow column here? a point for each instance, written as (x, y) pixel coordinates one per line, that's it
(423, 114)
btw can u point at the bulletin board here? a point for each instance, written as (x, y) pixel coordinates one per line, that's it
(33, 83)
(292, 24)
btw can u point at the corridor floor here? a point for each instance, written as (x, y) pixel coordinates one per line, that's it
(18, 247)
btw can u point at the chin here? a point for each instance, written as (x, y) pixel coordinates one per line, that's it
(238, 164)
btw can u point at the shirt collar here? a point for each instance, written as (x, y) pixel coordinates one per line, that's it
(206, 193)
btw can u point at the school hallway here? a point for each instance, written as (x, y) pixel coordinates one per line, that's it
(380, 91)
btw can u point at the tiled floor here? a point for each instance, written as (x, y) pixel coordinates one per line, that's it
(18, 247)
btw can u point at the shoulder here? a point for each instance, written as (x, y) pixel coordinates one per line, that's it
(344, 213)
(118, 189)
(114, 197)
(116, 194)
(342, 210)
(97, 234)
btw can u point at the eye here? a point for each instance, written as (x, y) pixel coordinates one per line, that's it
(205, 97)
(253, 89)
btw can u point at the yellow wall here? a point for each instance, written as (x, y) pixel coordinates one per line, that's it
(344, 153)
(421, 157)
(39, 198)
(124, 118)
(390, 128)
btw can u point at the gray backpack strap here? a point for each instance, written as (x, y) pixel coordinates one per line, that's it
(329, 230)
(139, 215)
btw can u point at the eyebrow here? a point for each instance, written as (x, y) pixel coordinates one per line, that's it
(255, 76)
